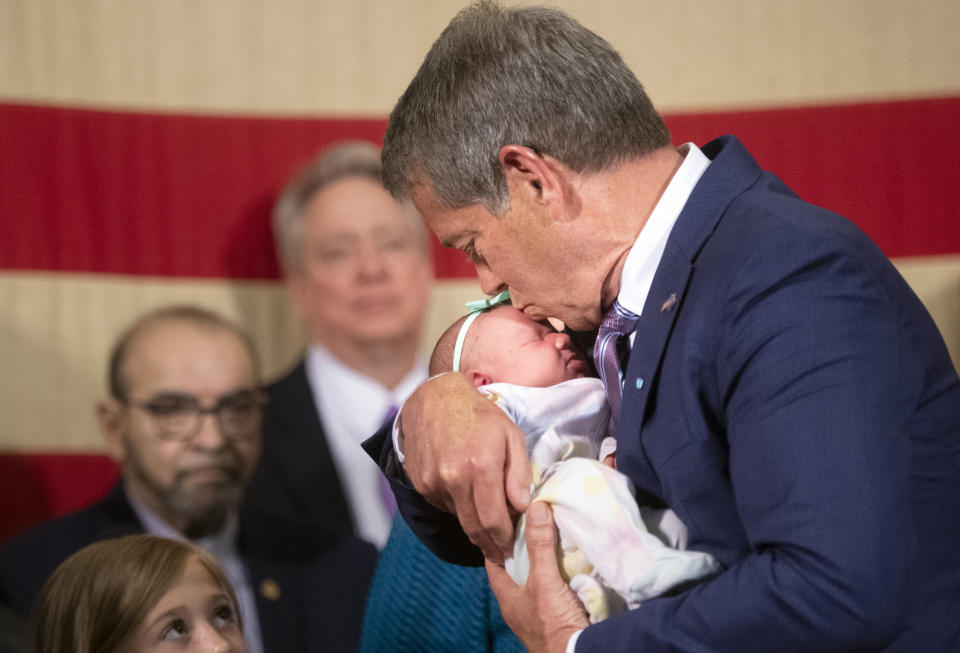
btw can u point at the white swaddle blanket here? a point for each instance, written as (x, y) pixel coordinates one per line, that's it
(614, 554)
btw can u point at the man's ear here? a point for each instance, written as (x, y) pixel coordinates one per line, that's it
(112, 418)
(478, 378)
(542, 179)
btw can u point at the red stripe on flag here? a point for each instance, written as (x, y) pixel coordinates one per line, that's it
(37, 487)
(145, 194)
(190, 196)
(890, 167)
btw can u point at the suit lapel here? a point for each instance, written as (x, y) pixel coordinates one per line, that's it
(653, 330)
(731, 172)
(296, 410)
(279, 610)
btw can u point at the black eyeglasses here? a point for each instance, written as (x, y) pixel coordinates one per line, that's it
(179, 416)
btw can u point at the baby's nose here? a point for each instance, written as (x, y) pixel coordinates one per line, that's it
(561, 340)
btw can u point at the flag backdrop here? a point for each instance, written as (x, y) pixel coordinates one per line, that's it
(142, 144)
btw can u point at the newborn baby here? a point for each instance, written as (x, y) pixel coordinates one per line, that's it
(614, 554)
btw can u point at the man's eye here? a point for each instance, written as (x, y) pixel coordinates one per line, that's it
(174, 631)
(238, 408)
(238, 403)
(471, 251)
(242, 401)
(395, 244)
(170, 408)
(337, 254)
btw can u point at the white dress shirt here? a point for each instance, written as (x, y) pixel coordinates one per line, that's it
(352, 407)
(644, 257)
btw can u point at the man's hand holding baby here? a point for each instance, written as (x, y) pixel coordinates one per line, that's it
(467, 457)
(543, 612)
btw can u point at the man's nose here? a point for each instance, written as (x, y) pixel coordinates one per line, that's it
(210, 435)
(490, 283)
(372, 262)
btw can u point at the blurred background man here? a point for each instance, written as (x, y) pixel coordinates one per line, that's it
(183, 421)
(358, 275)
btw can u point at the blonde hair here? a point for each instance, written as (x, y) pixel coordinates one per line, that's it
(344, 159)
(98, 596)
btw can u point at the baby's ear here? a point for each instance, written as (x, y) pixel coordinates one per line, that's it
(478, 378)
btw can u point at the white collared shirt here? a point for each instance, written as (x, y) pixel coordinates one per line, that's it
(352, 407)
(644, 257)
(223, 547)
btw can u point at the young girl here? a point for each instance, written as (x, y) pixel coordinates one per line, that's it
(140, 594)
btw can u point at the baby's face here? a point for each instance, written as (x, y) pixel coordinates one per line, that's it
(509, 347)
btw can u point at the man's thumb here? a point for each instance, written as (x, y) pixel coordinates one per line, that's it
(541, 536)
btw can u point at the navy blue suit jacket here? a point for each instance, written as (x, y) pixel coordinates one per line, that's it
(319, 607)
(796, 406)
(296, 488)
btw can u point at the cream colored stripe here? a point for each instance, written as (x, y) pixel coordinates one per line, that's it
(56, 331)
(355, 57)
(936, 280)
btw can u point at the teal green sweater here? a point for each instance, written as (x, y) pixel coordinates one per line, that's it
(418, 603)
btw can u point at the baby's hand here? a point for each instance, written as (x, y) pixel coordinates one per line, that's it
(608, 452)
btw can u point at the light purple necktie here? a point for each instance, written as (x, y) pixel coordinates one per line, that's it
(617, 323)
(386, 493)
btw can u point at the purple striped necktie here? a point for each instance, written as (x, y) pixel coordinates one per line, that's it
(386, 493)
(617, 323)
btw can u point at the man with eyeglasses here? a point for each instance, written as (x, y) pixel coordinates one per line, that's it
(183, 421)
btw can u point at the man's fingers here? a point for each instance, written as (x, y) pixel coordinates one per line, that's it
(544, 613)
(500, 582)
(462, 466)
(517, 472)
(421, 470)
(492, 509)
(465, 507)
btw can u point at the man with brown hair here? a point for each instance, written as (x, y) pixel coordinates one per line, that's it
(772, 378)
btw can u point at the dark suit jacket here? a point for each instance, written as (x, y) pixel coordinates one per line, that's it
(296, 485)
(798, 409)
(319, 608)
(13, 632)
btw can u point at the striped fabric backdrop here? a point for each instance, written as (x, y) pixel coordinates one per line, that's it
(142, 144)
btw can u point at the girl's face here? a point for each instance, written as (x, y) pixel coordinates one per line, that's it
(194, 615)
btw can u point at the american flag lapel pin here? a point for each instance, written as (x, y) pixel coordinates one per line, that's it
(670, 303)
